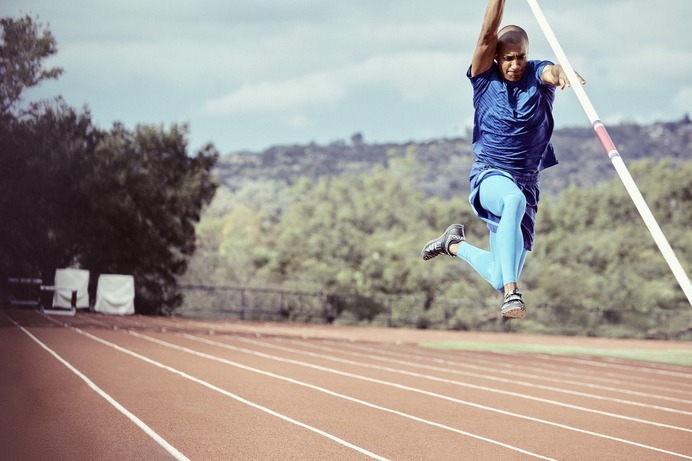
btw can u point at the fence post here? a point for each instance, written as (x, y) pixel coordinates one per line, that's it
(242, 304)
(389, 312)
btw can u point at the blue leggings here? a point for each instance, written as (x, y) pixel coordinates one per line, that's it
(503, 263)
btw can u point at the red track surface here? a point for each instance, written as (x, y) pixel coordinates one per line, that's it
(113, 388)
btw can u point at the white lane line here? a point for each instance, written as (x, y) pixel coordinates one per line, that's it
(165, 323)
(424, 392)
(569, 373)
(655, 367)
(610, 364)
(573, 381)
(548, 365)
(512, 382)
(233, 396)
(329, 392)
(203, 326)
(468, 385)
(138, 422)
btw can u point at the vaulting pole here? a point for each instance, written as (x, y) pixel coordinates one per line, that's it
(614, 156)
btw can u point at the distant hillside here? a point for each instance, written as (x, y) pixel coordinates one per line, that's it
(582, 160)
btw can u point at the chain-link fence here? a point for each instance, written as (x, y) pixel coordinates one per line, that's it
(273, 304)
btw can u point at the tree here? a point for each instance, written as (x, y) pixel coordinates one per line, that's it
(143, 198)
(44, 156)
(25, 44)
(73, 195)
(594, 239)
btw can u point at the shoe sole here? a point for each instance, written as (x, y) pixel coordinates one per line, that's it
(516, 312)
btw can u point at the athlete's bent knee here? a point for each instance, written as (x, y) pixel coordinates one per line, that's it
(514, 203)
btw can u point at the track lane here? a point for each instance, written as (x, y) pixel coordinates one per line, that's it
(577, 382)
(529, 385)
(46, 408)
(201, 423)
(546, 416)
(384, 425)
(381, 431)
(523, 434)
(628, 430)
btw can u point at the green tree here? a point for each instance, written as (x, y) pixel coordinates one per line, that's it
(593, 242)
(74, 195)
(361, 234)
(44, 156)
(25, 45)
(147, 194)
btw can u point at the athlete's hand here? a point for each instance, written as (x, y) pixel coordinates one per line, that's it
(562, 80)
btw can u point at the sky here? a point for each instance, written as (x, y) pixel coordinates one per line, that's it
(250, 74)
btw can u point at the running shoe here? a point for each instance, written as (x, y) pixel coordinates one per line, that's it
(440, 245)
(513, 306)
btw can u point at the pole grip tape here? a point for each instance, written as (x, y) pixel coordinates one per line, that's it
(605, 139)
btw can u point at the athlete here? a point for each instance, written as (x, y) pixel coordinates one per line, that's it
(513, 125)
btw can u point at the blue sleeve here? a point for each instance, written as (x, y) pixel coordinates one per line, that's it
(539, 66)
(485, 75)
(480, 82)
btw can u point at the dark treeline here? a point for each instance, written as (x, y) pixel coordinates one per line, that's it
(75, 195)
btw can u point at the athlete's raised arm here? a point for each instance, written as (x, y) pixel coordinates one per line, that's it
(486, 47)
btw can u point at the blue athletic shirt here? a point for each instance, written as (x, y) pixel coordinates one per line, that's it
(513, 121)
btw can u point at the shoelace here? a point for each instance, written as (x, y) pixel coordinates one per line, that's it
(513, 296)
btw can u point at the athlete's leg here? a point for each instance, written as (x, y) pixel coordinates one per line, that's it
(501, 196)
(522, 259)
(486, 263)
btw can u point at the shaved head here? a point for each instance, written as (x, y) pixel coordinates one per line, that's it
(512, 35)
(512, 52)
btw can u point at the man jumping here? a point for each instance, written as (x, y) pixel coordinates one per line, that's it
(513, 123)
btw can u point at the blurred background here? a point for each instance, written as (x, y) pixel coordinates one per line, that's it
(288, 159)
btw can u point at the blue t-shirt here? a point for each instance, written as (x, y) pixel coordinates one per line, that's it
(513, 121)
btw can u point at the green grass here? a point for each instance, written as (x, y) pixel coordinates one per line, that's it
(674, 357)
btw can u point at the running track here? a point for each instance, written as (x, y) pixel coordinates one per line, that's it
(140, 388)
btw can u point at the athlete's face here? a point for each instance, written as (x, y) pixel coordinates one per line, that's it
(512, 58)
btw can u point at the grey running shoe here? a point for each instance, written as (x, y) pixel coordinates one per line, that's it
(513, 306)
(440, 245)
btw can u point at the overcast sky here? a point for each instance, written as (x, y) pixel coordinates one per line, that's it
(249, 74)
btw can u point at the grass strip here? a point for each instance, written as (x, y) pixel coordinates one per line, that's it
(672, 357)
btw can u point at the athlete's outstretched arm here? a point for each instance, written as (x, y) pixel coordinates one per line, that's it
(486, 47)
(555, 75)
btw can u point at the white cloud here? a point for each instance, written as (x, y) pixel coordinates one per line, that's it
(326, 67)
(683, 99)
(297, 121)
(310, 92)
(417, 77)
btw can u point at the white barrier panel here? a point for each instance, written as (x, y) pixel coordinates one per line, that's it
(68, 281)
(115, 294)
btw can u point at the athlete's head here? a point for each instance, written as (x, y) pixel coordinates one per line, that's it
(512, 52)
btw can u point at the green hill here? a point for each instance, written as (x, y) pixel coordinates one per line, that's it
(582, 160)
